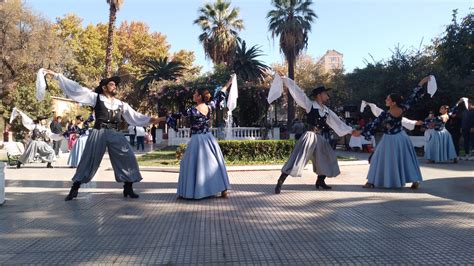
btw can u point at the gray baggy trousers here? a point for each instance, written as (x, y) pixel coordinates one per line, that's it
(314, 147)
(121, 155)
(39, 147)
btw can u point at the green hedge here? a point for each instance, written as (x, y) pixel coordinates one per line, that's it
(252, 150)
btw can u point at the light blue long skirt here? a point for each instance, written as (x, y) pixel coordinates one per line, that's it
(77, 150)
(394, 162)
(202, 170)
(440, 146)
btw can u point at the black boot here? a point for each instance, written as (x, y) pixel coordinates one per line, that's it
(128, 190)
(280, 182)
(48, 165)
(73, 192)
(18, 164)
(320, 182)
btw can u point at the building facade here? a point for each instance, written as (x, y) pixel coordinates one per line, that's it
(330, 61)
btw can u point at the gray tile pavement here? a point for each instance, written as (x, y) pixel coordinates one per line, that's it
(301, 226)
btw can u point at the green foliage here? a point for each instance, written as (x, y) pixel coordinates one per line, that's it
(253, 106)
(28, 42)
(25, 99)
(290, 21)
(158, 70)
(220, 25)
(246, 65)
(449, 59)
(251, 150)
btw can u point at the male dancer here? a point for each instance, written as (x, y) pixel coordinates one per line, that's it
(313, 145)
(108, 114)
(40, 135)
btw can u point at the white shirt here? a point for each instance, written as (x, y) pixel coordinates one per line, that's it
(140, 131)
(131, 130)
(87, 97)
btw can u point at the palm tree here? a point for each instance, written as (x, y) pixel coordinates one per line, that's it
(291, 21)
(246, 65)
(220, 25)
(159, 69)
(114, 7)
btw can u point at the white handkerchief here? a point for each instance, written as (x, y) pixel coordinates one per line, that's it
(363, 104)
(432, 87)
(13, 115)
(376, 111)
(276, 89)
(464, 99)
(233, 94)
(40, 85)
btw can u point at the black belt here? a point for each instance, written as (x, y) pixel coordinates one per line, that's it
(106, 125)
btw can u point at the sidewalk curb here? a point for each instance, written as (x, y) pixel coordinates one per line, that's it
(235, 168)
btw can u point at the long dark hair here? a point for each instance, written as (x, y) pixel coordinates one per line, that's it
(205, 94)
(397, 98)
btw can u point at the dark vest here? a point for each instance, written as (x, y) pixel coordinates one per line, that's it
(38, 135)
(103, 115)
(315, 121)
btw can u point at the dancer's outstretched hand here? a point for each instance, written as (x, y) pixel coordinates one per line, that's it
(156, 120)
(424, 80)
(47, 71)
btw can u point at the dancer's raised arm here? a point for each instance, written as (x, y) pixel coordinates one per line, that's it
(417, 94)
(298, 94)
(74, 90)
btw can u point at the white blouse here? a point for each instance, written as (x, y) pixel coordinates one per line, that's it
(87, 97)
(303, 100)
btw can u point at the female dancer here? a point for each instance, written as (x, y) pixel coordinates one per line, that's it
(202, 170)
(394, 161)
(80, 131)
(440, 146)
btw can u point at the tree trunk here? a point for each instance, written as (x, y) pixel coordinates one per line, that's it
(110, 41)
(291, 102)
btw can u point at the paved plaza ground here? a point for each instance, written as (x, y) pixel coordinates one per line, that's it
(346, 225)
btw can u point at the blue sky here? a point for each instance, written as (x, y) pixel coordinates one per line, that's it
(355, 28)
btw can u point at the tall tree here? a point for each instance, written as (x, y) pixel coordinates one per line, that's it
(114, 8)
(291, 22)
(136, 43)
(27, 43)
(158, 70)
(220, 25)
(246, 64)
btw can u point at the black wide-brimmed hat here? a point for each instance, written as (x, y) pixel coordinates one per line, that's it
(318, 90)
(103, 82)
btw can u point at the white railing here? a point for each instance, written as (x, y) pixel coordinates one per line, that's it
(183, 135)
(244, 133)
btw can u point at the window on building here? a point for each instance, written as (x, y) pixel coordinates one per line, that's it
(334, 59)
